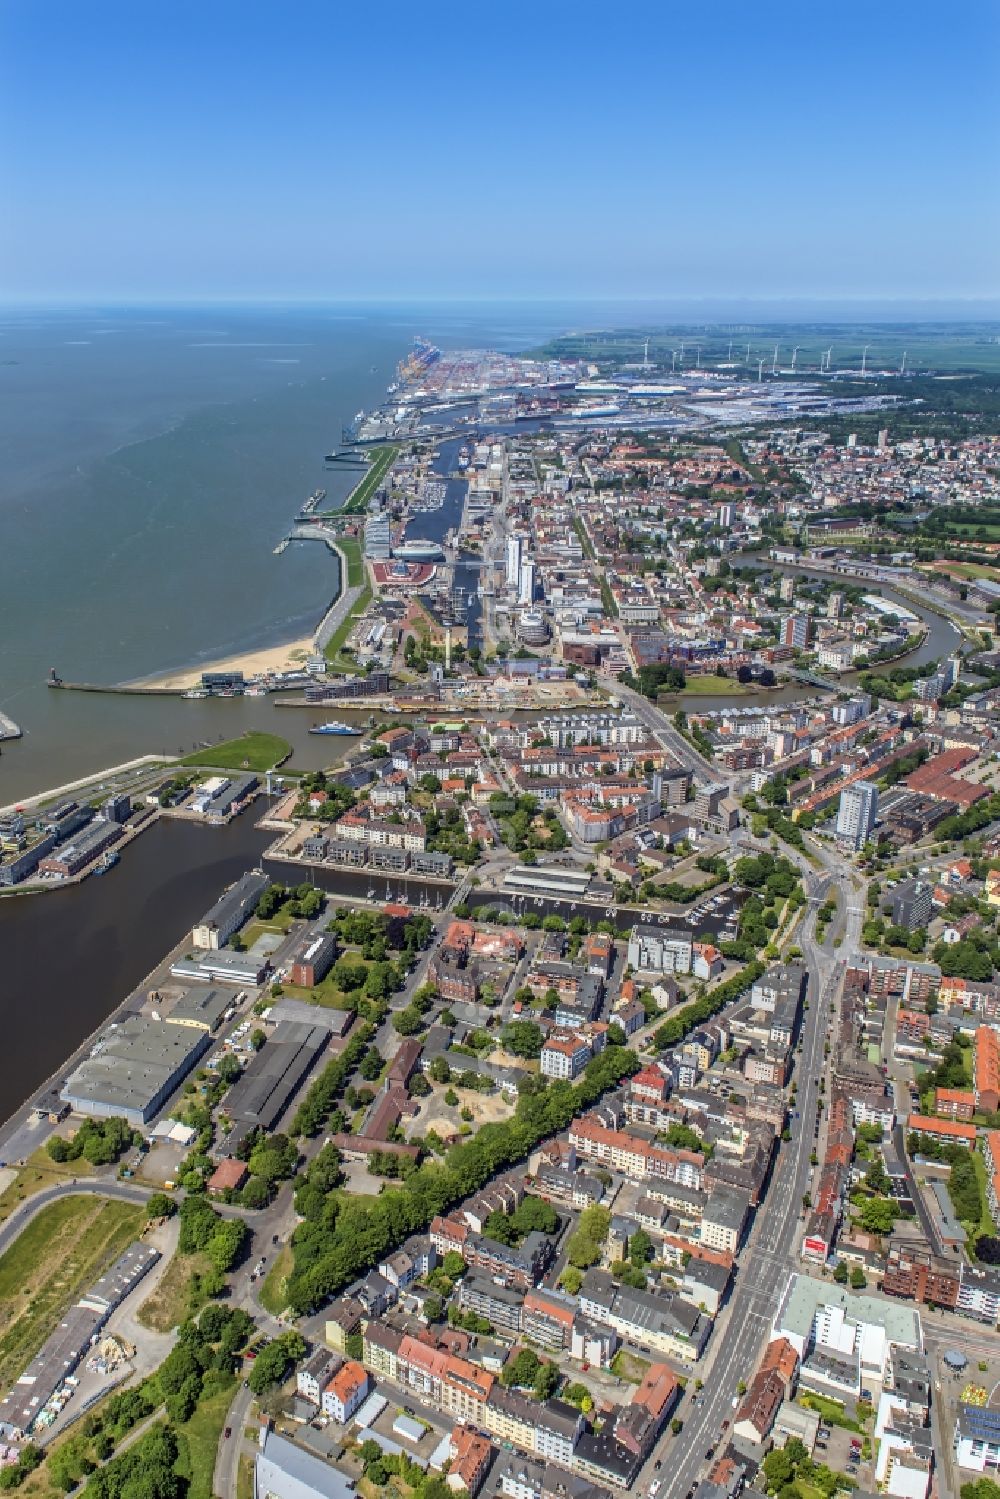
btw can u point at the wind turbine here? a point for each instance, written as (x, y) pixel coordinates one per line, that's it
(748, 353)
(902, 367)
(795, 355)
(864, 360)
(698, 360)
(729, 356)
(760, 370)
(645, 357)
(774, 361)
(673, 361)
(829, 356)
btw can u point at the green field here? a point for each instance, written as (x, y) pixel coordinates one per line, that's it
(967, 570)
(334, 650)
(709, 686)
(273, 1295)
(199, 1441)
(58, 1256)
(351, 548)
(357, 501)
(944, 348)
(252, 751)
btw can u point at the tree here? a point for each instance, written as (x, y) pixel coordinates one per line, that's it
(640, 1248)
(522, 1038)
(453, 1264)
(779, 1469)
(842, 1274)
(522, 1369)
(988, 1250)
(878, 1215)
(160, 1206)
(256, 1194)
(545, 1381)
(272, 1363)
(257, 1038)
(858, 1278)
(571, 1280)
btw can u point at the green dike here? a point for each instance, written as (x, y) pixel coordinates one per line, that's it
(357, 501)
(252, 751)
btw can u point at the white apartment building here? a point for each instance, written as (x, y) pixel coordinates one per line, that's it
(856, 813)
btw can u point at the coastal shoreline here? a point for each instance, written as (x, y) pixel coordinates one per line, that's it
(286, 657)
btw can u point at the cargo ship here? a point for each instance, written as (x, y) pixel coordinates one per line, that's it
(334, 727)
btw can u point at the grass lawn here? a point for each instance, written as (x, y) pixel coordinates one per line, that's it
(37, 1173)
(966, 570)
(357, 501)
(831, 1411)
(985, 1224)
(252, 751)
(168, 1305)
(351, 548)
(281, 922)
(244, 1479)
(59, 1255)
(335, 645)
(199, 1441)
(629, 1366)
(327, 992)
(711, 686)
(273, 1293)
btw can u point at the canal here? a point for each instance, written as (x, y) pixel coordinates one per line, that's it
(71, 956)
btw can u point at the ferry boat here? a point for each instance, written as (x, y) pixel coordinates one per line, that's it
(107, 861)
(196, 692)
(334, 727)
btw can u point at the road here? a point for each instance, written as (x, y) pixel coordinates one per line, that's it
(227, 1458)
(770, 1254)
(661, 727)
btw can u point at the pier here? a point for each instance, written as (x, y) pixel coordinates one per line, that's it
(8, 728)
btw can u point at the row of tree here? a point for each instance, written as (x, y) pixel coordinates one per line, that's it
(343, 1239)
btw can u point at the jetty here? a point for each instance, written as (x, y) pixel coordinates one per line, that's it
(8, 728)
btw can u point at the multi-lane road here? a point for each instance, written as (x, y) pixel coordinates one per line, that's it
(770, 1254)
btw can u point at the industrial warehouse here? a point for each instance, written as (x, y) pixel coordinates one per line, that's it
(134, 1068)
(27, 1402)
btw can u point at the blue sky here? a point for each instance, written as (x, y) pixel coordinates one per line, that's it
(294, 149)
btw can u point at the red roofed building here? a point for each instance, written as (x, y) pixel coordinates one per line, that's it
(936, 778)
(755, 1417)
(987, 1069)
(470, 1459)
(955, 1103)
(659, 1392)
(650, 1085)
(947, 1131)
(781, 1356)
(346, 1391)
(228, 1176)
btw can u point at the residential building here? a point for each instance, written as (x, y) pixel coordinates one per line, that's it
(346, 1391)
(857, 813)
(911, 904)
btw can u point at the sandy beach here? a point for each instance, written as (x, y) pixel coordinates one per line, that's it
(272, 658)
